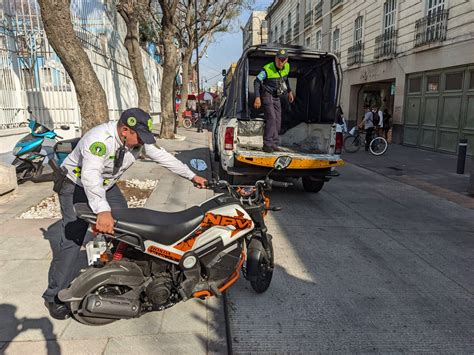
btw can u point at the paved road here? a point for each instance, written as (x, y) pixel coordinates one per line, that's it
(367, 265)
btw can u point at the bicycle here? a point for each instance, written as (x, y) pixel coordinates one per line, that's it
(352, 143)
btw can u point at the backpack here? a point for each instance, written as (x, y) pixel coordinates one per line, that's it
(375, 118)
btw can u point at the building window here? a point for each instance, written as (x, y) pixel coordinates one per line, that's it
(358, 30)
(355, 53)
(389, 11)
(319, 40)
(308, 41)
(298, 13)
(336, 41)
(434, 6)
(275, 39)
(453, 81)
(308, 6)
(432, 83)
(471, 84)
(414, 85)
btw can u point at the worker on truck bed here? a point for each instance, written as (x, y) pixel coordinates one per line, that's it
(269, 86)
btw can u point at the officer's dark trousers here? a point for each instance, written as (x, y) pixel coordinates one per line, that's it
(64, 266)
(272, 112)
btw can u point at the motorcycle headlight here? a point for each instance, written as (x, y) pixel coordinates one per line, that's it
(16, 150)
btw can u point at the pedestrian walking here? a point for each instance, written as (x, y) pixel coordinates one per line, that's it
(368, 125)
(270, 85)
(90, 174)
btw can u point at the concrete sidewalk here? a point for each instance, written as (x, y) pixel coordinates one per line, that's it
(193, 327)
(433, 172)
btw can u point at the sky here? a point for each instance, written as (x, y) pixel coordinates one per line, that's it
(226, 48)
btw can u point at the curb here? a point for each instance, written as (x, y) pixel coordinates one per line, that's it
(228, 332)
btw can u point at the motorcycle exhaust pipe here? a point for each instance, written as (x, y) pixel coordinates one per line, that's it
(111, 307)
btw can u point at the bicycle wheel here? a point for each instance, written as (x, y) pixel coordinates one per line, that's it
(352, 144)
(187, 123)
(378, 146)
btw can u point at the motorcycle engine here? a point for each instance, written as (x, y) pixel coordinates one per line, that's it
(159, 290)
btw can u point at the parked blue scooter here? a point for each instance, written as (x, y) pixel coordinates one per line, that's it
(29, 158)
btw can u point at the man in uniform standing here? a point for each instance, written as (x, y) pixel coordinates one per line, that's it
(269, 86)
(102, 155)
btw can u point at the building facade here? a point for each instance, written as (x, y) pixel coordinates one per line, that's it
(255, 31)
(414, 58)
(31, 74)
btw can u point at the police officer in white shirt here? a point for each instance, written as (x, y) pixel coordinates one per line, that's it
(102, 155)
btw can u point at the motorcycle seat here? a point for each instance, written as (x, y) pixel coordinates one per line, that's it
(162, 227)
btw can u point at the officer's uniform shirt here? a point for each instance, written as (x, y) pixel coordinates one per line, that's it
(91, 163)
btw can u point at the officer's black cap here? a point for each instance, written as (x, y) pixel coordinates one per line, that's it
(141, 122)
(282, 54)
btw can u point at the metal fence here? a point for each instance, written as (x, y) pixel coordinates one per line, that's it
(386, 44)
(32, 74)
(431, 28)
(355, 54)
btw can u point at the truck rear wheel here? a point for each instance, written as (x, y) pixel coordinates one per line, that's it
(311, 184)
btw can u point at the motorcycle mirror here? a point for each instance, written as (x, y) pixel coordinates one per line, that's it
(64, 127)
(282, 162)
(198, 164)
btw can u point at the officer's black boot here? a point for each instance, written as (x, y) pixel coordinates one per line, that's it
(58, 309)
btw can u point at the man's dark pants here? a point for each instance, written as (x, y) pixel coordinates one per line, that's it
(272, 112)
(369, 133)
(63, 267)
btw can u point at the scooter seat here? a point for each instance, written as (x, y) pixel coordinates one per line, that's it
(162, 227)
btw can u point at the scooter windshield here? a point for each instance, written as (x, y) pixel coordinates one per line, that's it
(37, 128)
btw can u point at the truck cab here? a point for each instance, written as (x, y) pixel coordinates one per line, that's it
(310, 134)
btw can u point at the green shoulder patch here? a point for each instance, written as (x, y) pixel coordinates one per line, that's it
(98, 148)
(150, 124)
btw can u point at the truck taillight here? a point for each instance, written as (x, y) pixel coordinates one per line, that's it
(338, 143)
(229, 138)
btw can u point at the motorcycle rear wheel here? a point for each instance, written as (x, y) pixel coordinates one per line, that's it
(265, 270)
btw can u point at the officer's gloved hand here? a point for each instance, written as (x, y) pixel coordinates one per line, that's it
(105, 222)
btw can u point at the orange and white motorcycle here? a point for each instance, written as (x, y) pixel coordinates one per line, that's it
(156, 259)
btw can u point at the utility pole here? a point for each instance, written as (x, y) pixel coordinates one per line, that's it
(197, 66)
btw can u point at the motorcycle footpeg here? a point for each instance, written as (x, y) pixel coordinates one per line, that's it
(274, 208)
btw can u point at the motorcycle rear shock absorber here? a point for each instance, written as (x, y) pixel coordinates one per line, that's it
(118, 255)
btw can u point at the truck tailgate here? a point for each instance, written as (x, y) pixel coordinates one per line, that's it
(299, 160)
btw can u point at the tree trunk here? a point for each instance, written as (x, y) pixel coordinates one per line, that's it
(129, 15)
(169, 73)
(60, 33)
(185, 87)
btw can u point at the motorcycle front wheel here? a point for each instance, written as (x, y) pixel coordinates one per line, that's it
(265, 268)
(187, 123)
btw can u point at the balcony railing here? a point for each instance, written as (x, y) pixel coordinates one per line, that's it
(281, 39)
(355, 54)
(334, 3)
(308, 18)
(296, 28)
(431, 28)
(318, 11)
(386, 44)
(288, 36)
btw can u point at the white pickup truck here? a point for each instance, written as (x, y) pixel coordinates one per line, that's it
(311, 133)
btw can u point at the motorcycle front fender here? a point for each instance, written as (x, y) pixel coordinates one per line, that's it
(122, 273)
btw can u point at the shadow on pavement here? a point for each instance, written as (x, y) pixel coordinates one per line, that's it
(11, 326)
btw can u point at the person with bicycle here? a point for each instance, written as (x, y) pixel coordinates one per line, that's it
(368, 125)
